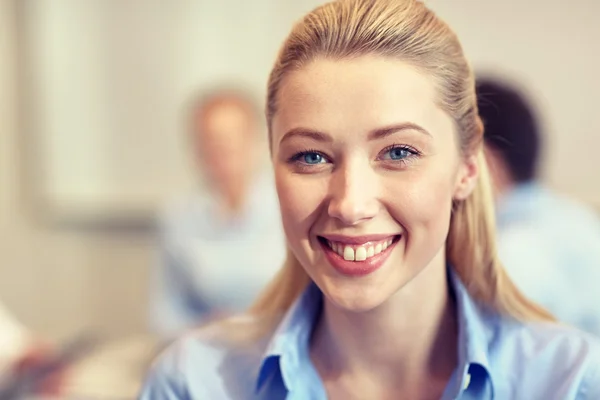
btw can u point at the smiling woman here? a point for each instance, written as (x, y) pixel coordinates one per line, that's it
(392, 287)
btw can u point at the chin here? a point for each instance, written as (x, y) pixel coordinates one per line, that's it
(366, 293)
(355, 296)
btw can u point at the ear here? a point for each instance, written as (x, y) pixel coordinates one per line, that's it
(466, 178)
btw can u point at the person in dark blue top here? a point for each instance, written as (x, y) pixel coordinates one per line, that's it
(392, 287)
(548, 242)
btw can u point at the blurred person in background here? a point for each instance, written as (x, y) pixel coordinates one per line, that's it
(549, 244)
(219, 248)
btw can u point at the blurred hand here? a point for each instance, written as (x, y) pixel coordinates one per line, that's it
(37, 355)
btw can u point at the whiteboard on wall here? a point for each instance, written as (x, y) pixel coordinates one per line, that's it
(106, 82)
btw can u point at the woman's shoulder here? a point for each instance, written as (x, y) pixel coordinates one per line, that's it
(209, 362)
(547, 357)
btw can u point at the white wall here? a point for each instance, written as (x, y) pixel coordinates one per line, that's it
(58, 281)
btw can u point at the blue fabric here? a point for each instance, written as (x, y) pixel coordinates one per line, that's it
(210, 264)
(499, 358)
(550, 247)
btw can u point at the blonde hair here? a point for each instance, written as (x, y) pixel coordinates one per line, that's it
(409, 31)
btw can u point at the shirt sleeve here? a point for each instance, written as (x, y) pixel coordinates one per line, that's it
(590, 387)
(186, 370)
(163, 382)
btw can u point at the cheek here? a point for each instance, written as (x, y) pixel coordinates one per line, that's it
(301, 198)
(422, 204)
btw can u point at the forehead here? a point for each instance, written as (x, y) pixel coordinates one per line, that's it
(357, 94)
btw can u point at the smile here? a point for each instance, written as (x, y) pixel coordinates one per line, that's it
(358, 256)
(360, 252)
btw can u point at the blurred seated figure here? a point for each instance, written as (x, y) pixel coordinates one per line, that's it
(220, 245)
(549, 244)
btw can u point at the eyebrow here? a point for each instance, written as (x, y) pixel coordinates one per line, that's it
(378, 133)
(309, 133)
(381, 133)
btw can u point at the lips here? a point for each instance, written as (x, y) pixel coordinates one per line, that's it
(356, 256)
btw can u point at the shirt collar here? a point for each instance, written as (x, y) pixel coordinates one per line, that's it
(291, 337)
(476, 331)
(476, 326)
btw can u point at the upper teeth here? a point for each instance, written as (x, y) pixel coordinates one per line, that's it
(361, 252)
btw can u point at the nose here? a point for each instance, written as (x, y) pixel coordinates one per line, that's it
(353, 194)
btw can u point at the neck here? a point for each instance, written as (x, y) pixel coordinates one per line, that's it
(233, 195)
(410, 338)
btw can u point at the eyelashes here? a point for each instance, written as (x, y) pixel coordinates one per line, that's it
(399, 153)
(309, 160)
(395, 156)
(310, 157)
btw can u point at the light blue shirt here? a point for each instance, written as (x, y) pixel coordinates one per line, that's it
(210, 264)
(550, 247)
(499, 358)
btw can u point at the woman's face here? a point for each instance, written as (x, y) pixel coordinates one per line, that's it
(367, 165)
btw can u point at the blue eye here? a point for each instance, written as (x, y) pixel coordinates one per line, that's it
(312, 158)
(309, 161)
(398, 153)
